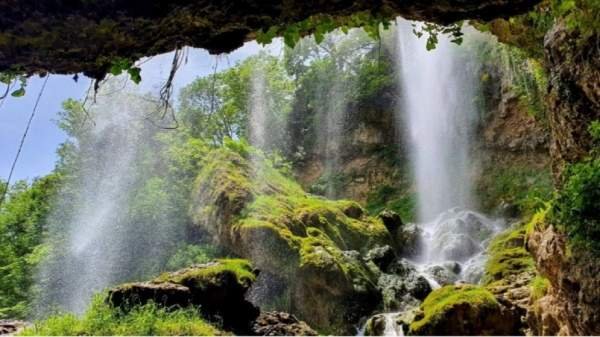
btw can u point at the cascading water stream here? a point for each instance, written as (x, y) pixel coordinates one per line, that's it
(437, 90)
(438, 109)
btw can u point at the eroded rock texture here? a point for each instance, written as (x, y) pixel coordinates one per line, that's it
(574, 94)
(84, 36)
(218, 288)
(571, 306)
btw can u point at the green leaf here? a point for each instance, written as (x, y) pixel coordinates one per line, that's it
(291, 36)
(458, 40)
(431, 42)
(134, 74)
(266, 37)
(18, 93)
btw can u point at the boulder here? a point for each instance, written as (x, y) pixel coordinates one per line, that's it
(382, 257)
(218, 288)
(12, 327)
(280, 324)
(402, 286)
(409, 240)
(354, 211)
(315, 246)
(391, 220)
(442, 275)
(463, 310)
(382, 325)
(458, 247)
(394, 324)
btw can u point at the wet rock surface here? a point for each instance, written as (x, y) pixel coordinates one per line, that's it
(85, 36)
(402, 286)
(444, 275)
(275, 323)
(382, 256)
(457, 235)
(572, 303)
(12, 327)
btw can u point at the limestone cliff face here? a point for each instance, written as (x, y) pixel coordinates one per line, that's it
(572, 304)
(364, 157)
(574, 94)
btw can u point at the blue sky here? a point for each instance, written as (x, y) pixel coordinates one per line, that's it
(39, 151)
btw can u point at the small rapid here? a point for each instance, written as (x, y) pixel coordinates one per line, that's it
(452, 250)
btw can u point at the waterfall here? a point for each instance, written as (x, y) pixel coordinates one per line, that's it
(439, 111)
(95, 243)
(437, 91)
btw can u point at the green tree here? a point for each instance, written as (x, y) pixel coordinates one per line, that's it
(22, 226)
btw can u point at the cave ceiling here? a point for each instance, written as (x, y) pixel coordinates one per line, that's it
(73, 36)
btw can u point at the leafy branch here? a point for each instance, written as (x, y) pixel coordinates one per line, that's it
(120, 65)
(434, 30)
(8, 79)
(321, 24)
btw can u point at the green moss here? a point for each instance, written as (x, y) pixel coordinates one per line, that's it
(238, 267)
(398, 199)
(270, 198)
(538, 221)
(439, 301)
(507, 255)
(301, 238)
(522, 185)
(103, 320)
(539, 287)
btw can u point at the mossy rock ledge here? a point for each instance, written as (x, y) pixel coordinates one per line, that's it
(463, 310)
(315, 246)
(218, 288)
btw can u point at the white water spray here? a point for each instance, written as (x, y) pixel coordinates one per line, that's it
(438, 108)
(96, 243)
(437, 91)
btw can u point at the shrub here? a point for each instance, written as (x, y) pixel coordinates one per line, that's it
(103, 320)
(539, 287)
(576, 209)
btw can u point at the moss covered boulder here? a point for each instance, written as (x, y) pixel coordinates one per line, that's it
(218, 288)
(462, 310)
(251, 206)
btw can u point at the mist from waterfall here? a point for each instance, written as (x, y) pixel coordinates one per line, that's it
(96, 244)
(438, 108)
(258, 106)
(334, 115)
